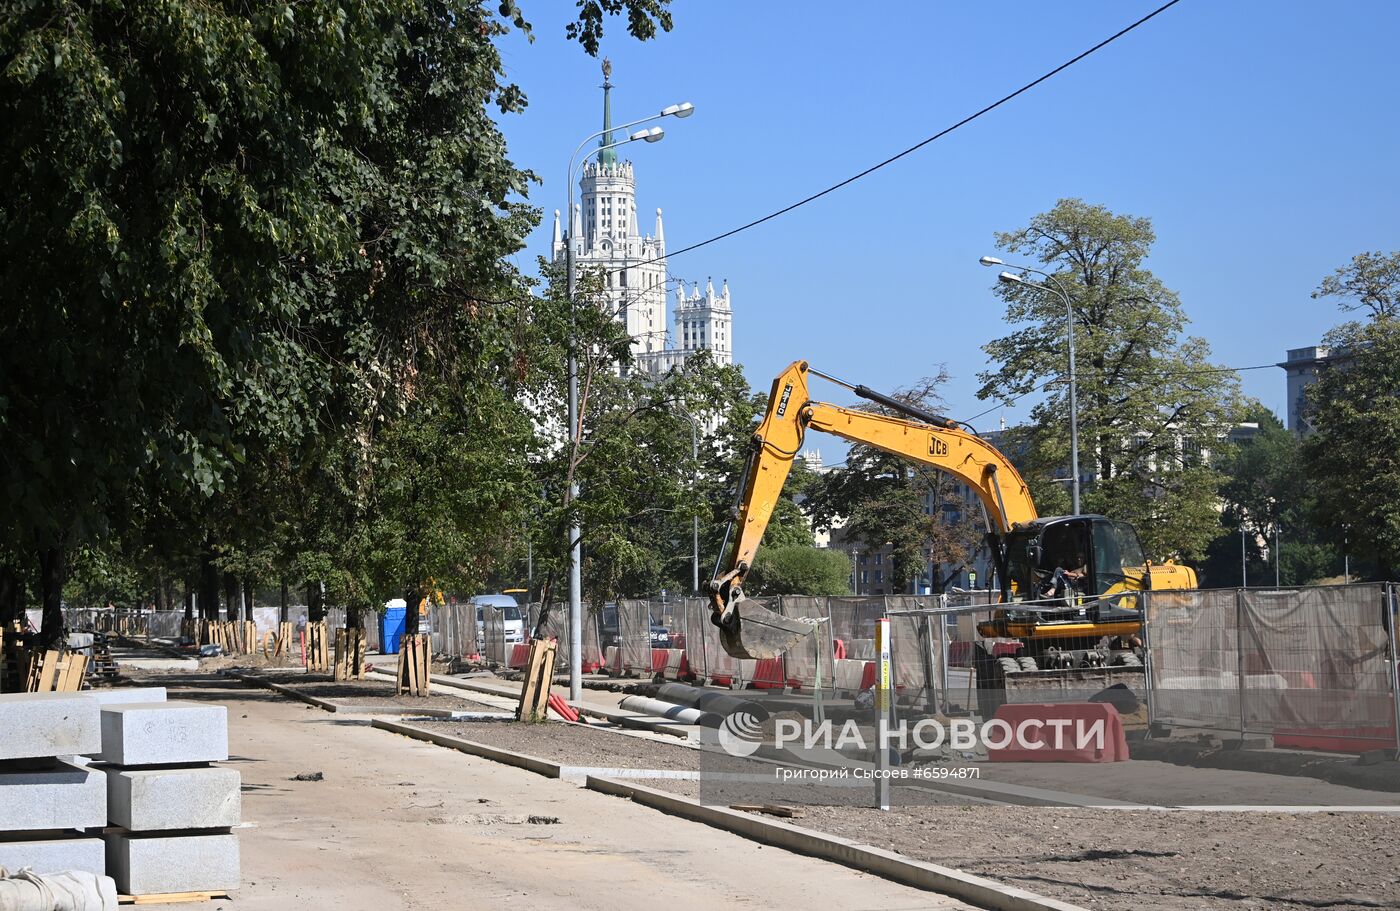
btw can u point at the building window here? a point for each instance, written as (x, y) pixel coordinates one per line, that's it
(622, 278)
(879, 576)
(879, 559)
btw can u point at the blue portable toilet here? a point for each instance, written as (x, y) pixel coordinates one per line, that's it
(391, 626)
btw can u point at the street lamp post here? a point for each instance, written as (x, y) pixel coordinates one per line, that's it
(694, 519)
(1055, 288)
(575, 531)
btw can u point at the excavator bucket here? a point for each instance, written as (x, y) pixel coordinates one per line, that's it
(747, 629)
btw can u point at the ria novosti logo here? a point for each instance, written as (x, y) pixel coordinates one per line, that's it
(740, 734)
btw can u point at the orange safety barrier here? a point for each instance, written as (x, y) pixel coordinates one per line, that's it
(838, 648)
(768, 674)
(1057, 732)
(1335, 740)
(519, 655)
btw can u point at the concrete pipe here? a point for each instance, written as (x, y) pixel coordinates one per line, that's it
(680, 713)
(720, 703)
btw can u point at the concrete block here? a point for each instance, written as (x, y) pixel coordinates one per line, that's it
(143, 864)
(124, 695)
(51, 794)
(55, 856)
(48, 724)
(154, 733)
(154, 800)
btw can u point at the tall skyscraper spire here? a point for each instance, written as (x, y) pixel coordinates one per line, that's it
(607, 156)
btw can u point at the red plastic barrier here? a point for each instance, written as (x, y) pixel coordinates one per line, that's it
(768, 674)
(1032, 739)
(1335, 740)
(838, 647)
(659, 657)
(519, 655)
(870, 676)
(721, 680)
(562, 708)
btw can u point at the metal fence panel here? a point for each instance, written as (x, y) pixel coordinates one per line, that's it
(811, 659)
(1317, 659)
(1313, 667)
(1193, 657)
(634, 635)
(493, 637)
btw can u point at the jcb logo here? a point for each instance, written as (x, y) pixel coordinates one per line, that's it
(937, 447)
(783, 402)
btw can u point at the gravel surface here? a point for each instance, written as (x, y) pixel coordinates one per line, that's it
(372, 693)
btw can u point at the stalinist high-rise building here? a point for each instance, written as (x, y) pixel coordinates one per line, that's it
(605, 232)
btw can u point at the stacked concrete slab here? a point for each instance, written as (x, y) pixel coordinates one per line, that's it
(48, 794)
(175, 808)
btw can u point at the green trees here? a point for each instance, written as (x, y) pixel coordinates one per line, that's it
(245, 250)
(1352, 457)
(1151, 404)
(800, 570)
(879, 498)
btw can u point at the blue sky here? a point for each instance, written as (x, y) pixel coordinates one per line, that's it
(1259, 137)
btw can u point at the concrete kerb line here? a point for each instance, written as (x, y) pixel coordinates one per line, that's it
(519, 760)
(626, 719)
(866, 858)
(869, 859)
(328, 706)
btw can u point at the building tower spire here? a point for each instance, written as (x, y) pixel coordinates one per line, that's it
(607, 157)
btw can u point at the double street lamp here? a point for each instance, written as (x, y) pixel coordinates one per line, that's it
(654, 134)
(1053, 287)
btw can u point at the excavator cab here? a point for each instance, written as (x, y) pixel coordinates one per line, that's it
(1073, 559)
(1072, 573)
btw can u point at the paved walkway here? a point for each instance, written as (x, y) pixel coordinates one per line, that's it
(398, 824)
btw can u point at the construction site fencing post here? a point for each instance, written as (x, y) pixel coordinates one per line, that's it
(1392, 596)
(1239, 656)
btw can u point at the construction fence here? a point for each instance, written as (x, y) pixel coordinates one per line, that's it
(1312, 667)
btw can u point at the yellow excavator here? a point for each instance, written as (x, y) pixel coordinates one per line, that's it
(1066, 582)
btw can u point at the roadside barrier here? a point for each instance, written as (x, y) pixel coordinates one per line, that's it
(1057, 732)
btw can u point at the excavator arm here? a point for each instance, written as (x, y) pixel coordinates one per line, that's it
(750, 631)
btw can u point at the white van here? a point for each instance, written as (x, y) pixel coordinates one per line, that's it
(511, 614)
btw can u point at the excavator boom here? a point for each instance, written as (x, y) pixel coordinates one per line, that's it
(747, 629)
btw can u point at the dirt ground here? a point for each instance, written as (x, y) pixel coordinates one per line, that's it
(371, 693)
(1101, 858)
(1131, 860)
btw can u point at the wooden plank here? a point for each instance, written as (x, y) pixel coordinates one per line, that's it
(539, 674)
(170, 898)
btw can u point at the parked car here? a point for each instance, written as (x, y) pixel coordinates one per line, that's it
(608, 632)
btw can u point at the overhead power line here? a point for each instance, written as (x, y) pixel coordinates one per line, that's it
(918, 145)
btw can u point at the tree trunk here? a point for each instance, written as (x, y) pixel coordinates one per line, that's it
(208, 586)
(189, 600)
(414, 597)
(51, 574)
(247, 598)
(161, 603)
(315, 603)
(231, 593)
(11, 601)
(282, 608)
(352, 615)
